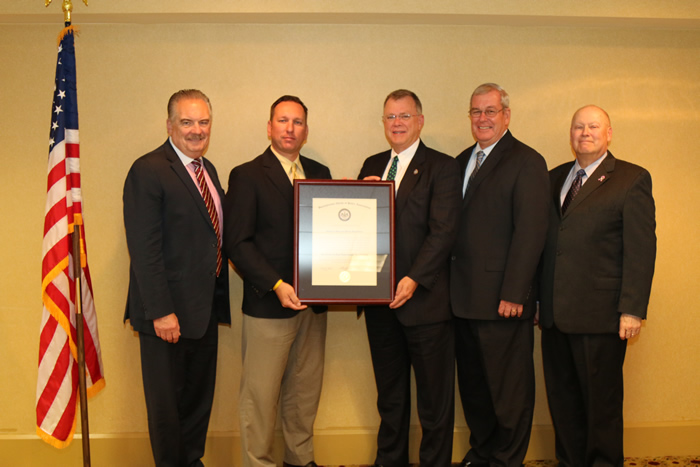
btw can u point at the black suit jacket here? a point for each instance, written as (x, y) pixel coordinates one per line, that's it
(172, 244)
(426, 209)
(599, 258)
(259, 230)
(501, 231)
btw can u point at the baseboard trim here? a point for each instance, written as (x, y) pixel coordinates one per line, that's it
(333, 446)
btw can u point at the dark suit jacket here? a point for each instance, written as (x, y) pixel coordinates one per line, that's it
(172, 244)
(501, 232)
(259, 230)
(426, 209)
(599, 258)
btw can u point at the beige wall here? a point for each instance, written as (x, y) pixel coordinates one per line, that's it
(645, 74)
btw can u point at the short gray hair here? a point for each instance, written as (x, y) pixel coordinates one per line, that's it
(487, 88)
(186, 94)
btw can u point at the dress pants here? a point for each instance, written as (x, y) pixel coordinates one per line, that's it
(178, 382)
(429, 349)
(496, 377)
(282, 364)
(583, 376)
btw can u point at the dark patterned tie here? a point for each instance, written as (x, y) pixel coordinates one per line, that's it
(392, 170)
(211, 208)
(573, 191)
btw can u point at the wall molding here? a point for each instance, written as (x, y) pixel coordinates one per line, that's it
(333, 446)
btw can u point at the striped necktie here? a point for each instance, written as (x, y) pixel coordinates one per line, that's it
(479, 159)
(211, 208)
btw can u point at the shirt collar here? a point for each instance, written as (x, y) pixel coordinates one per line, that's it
(591, 167)
(186, 160)
(408, 153)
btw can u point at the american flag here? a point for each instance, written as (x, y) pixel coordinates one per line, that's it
(57, 384)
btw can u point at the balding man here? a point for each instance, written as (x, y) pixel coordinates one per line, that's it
(597, 271)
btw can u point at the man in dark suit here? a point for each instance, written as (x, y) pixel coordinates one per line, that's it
(178, 286)
(283, 340)
(597, 270)
(415, 330)
(500, 238)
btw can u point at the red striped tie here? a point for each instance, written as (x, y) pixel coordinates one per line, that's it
(211, 208)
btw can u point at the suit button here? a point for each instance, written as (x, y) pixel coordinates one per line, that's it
(558, 252)
(454, 258)
(214, 245)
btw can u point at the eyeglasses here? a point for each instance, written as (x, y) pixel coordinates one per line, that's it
(402, 117)
(490, 112)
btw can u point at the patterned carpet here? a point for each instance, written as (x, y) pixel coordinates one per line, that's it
(638, 462)
(675, 461)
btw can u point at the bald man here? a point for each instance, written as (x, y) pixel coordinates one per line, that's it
(597, 270)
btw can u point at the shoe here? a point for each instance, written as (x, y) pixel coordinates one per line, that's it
(466, 463)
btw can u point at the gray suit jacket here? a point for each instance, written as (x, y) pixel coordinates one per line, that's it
(599, 257)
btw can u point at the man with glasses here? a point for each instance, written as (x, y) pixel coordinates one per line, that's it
(501, 233)
(415, 330)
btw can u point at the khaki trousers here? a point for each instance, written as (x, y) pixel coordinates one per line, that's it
(282, 364)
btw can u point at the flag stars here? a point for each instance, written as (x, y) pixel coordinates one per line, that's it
(58, 109)
(61, 94)
(54, 125)
(51, 142)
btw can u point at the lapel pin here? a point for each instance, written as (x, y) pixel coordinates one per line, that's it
(601, 178)
(415, 172)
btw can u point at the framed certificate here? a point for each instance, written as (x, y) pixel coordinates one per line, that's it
(344, 242)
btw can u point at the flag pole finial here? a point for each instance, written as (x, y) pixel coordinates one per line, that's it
(67, 8)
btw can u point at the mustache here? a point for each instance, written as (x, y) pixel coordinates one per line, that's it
(196, 137)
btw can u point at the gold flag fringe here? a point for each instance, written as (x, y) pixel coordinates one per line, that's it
(68, 30)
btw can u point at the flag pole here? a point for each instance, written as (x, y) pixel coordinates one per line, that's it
(82, 386)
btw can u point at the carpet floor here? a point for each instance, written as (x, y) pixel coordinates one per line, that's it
(675, 461)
